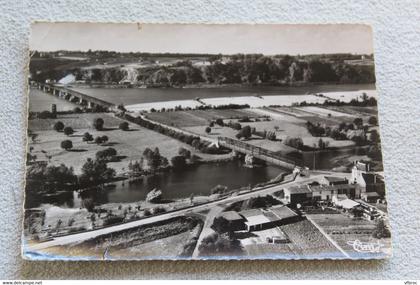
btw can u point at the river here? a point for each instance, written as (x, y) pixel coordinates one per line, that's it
(197, 180)
(129, 96)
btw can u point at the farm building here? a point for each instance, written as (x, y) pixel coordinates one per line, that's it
(342, 201)
(230, 220)
(304, 193)
(258, 219)
(333, 180)
(370, 196)
(369, 181)
(296, 194)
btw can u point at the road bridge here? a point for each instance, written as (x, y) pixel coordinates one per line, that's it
(72, 95)
(257, 152)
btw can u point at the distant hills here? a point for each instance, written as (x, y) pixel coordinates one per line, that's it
(177, 70)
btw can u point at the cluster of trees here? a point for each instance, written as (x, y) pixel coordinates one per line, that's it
(59, 126)
(154, 160)
(257, 69)
(108, 154)
(220, 243)
(245, 132)
(295, 142)
(95, 172)
(233, 69)
(201, 107)
(41, 177)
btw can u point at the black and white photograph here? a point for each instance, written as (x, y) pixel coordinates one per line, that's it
(203, 141)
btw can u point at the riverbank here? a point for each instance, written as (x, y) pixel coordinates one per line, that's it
(255, 100)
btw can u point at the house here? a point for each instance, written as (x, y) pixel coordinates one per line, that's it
(312, 192)
(333, 180)
(229, 221)
(296, 194)
(370, 197)
(327, 192)
(342, 201)
(369, 181)
(259, 219)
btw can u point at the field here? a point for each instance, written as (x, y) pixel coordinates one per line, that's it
(342, 229)
(164, 239)
(197, 117)
(40, 101)
(287, 126)
(128, 144)
(305, 241)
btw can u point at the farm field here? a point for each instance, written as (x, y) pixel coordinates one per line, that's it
(197, 117)
(342, 229)
(40, 101)
(167, 248)
(287, 127)
(305, 240)
(128, 144)
(256, 244)
(161, 239)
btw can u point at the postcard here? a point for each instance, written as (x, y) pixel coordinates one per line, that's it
(203, 141)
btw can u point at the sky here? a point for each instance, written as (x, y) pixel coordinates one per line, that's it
(203, 38)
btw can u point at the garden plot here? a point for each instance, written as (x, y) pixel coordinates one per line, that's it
(306, 240)
(342, 229)
(320, 111)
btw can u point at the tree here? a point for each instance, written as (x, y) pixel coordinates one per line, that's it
(106, 154)
(124, 126)
(87, 137)
(98, 140)
(184, 152)
(104, 139)
(373, 120)
(178, 162)
(95, 172)
(68, 131)
(59, 126)
(374, 136)
(98, 123)
(219, 121)
(208, 130)
(294, 142)
(245, 132)
(358, 122)
(66, 144)
(381, 230)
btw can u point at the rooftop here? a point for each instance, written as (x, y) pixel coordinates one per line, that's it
(256, 220)
(301, 189)
(335, 179)
(283, 212)
(348, 203)
(332, 187)
(370, 194)
(231, 216)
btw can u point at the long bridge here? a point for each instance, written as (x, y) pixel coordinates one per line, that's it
(257, 152)
(72, 95)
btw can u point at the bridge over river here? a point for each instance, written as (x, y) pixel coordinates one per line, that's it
(72, 95)
(257, 152)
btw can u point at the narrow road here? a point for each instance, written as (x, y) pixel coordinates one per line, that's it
(79, 237)
(207, 230)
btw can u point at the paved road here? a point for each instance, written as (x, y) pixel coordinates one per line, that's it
(79, 237)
